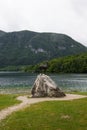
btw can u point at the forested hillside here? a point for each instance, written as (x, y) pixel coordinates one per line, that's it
(69, 64)
(30, 48)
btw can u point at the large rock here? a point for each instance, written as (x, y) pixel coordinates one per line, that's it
(44, 86)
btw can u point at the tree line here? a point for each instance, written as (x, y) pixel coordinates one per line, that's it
(68, 64)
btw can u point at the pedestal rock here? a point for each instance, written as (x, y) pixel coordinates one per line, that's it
(44, 86)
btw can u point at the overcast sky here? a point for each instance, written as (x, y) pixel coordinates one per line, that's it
(60, 16)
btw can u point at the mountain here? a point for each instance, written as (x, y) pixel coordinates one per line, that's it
(27, 47)
(2, 33)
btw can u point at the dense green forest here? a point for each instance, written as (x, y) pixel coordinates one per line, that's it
(69, 64)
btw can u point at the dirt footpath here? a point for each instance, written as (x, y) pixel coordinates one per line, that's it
(28, 101)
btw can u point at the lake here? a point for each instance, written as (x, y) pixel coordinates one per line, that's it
(19, 82)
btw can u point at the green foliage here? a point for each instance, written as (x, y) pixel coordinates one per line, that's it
(51, 115)
(7, 100)
(28, 68)
(11, 68)
(69, 64)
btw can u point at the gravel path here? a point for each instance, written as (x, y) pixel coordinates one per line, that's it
(27, 101)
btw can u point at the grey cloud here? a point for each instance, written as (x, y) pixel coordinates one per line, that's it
(80, 6)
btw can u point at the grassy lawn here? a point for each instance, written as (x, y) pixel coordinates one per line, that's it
(79, 93)
(49, 115)
(7, 100)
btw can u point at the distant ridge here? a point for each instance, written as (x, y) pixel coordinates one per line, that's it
(2, 33)
(28, 47)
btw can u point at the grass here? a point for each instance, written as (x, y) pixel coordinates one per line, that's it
(49, 115)
(7, 100)
(77, 92)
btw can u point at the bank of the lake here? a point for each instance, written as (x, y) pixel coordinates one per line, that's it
(7, 100)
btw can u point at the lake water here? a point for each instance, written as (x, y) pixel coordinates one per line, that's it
(18, 82)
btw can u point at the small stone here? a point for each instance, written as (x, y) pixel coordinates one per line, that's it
(44, 86)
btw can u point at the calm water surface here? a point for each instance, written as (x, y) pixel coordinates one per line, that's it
(18, 82)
